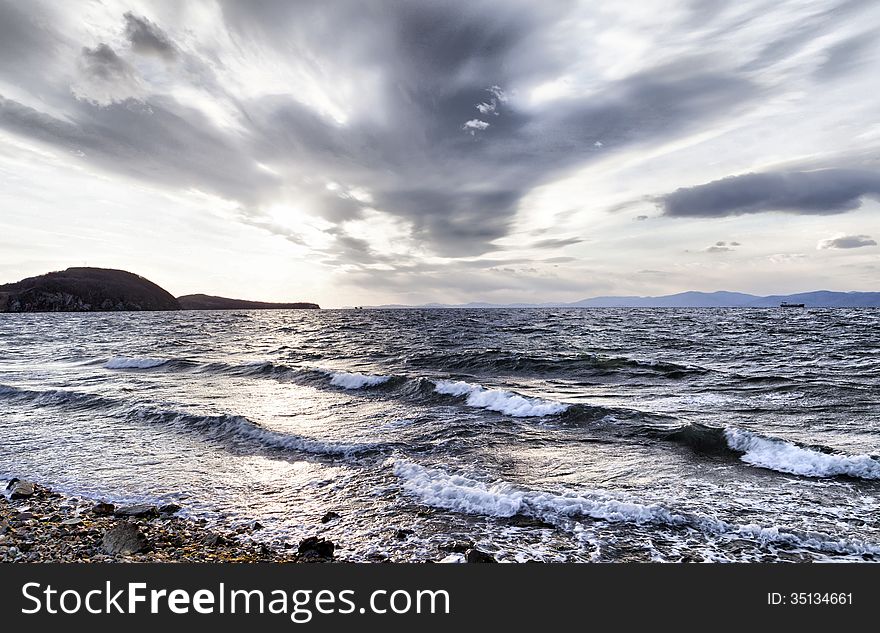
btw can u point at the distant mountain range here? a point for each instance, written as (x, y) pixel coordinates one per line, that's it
(108, 290)
(692, 299)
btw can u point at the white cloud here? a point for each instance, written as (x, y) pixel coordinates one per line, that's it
(474, 125)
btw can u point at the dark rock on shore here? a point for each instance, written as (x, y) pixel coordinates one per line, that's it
(478, 556)
(85, 290)
(315, 548)
(20, 489)
(140, 510)
(522, 520)
(330, 516)
(125, 538)
(213, 540)
(402, 533)
(169, 508)
(103, 509)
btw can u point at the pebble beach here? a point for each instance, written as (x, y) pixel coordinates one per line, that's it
(40, 525)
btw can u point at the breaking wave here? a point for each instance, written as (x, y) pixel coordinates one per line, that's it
(350, 380)
(787, 457)
(499, 400)
(771, 453)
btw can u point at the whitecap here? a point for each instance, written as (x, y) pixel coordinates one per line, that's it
(350, 380)
(506, 402)
(124, 362)
(786, 457)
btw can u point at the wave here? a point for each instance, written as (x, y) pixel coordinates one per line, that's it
(505, 361)
(506, 402)
(787, 457)
(56, 397)
(349, 380)
(124, 362)
(238, 428)
(223, 427)
(437, 488)
(499, 400)
(771, 453)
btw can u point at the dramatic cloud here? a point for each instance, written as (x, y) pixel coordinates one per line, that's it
(384, 145)
(439, 62)
(820, 192)
(147, 38)
(106, 77)
(847, 241)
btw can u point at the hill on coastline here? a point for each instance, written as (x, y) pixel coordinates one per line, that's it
(109, 290)
(208, 302)
(85, 290)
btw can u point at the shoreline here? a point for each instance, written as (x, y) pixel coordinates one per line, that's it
(38, 525)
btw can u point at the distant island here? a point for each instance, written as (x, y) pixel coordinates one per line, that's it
(207, 302)
(692, 299)
(108, 290)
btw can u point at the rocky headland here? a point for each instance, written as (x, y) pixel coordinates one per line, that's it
(109, 290)
(85, 290)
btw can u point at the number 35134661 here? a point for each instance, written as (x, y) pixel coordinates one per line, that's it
(809, 598)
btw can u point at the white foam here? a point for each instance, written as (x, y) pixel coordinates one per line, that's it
(439, 489)
(506, 402)
(124, 362)
(786, 457)
(348, 380)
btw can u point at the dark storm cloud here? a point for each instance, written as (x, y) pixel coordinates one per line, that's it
(102, 61)
(444, 61)
(470, 190)
(437, 67)
(848, 241)
(464, 223)
(158, 141)
(820, 192)
(147, 38)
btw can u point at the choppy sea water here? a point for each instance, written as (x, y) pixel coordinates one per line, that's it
(553, 435)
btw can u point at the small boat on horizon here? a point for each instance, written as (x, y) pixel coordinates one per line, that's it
(786, 304)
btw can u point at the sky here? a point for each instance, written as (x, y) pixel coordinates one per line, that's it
(363, 153)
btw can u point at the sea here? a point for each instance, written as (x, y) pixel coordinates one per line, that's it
(553, 435)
